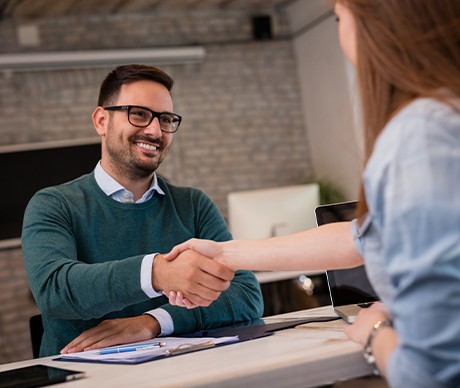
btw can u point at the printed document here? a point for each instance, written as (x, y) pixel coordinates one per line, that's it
(141, 351)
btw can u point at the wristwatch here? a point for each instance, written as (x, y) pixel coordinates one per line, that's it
(368, 355)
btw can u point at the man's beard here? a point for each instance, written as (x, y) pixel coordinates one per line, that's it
(126, 161)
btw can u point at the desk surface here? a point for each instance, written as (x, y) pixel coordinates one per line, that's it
(310, 355)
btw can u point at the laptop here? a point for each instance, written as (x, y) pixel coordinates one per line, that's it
(349, 289)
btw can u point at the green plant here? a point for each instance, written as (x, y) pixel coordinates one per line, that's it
(329, 192)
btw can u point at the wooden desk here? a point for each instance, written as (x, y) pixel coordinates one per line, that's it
(308, 356)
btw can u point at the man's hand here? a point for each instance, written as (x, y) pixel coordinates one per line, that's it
(115, 332)
(198, 278)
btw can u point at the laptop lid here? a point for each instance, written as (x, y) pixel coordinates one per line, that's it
(347, 286)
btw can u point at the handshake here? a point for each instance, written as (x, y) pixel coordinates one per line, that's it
(193, 273)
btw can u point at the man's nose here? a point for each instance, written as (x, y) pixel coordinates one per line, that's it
(153, 129)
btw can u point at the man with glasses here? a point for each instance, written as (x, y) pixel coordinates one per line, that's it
(90, 245)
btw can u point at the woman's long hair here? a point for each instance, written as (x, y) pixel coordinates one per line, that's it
(405, 49)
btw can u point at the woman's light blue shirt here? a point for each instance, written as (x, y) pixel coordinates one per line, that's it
(410, 240)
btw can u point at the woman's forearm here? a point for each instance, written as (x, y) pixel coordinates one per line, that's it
(326, 247)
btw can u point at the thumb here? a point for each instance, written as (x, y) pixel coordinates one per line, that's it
(176, 251)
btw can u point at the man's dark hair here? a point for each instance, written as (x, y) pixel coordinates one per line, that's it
(122, 75)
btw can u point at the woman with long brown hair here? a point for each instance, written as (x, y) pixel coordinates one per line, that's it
(407, 231)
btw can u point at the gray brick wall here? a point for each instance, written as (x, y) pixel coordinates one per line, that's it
(243, 126)
(16, 307)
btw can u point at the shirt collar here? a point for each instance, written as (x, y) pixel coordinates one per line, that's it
(114, 190)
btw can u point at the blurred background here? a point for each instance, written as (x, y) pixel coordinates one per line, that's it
(266, 95)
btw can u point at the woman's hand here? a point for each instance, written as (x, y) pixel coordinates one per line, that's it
(177, 299)
(383, 343)
(361, 328)
(208, 248)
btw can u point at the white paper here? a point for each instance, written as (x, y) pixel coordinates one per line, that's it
(172, 344)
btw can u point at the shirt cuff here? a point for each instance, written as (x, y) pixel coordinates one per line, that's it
(164, 319)
(146, 276)
(357, 233)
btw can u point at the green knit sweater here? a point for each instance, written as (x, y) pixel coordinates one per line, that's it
(83, 251)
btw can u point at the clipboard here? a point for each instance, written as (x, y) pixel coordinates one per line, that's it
(193, 342)
(171, 346)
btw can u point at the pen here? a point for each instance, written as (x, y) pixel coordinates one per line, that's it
(187, 348)
(133, 348)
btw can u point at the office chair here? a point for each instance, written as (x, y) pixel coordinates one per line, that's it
(36, 334)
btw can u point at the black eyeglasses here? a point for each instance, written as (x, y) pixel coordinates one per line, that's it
(141, 117)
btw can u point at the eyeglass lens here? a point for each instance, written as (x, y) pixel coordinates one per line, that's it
(142, 117)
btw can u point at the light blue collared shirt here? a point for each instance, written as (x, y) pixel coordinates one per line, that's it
(410, 240)
(118, 193)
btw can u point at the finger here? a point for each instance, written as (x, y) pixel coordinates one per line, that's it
(119, 331)
(205, 285)
(200, 296)
(115, 332)
(111, 340)
(199, 282)
(189, 305)
(213, 285)
(211, 282)
(216, 269)
(176, 251)
(184, 302)
(96, 341)
(93, 335)
(69, 348)
(202, 288)
(379, 306)
(172, 296)
(176, 299)
(179, 299)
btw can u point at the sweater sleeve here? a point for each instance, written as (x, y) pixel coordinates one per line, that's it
(64, 286)
(242, 301)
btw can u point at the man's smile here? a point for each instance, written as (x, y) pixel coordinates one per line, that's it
(149, 147)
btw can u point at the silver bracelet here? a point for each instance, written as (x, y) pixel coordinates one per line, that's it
(368, 355)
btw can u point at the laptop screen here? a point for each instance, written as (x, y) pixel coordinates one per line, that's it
(346, 286)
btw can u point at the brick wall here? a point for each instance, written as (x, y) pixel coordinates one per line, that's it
(243, 126)
(16, 307)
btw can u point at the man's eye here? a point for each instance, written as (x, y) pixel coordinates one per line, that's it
(166, 119)
(139, 113)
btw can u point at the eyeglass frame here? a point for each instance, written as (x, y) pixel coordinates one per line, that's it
(128, 108)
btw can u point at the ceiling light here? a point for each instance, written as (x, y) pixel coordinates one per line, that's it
(99, 58)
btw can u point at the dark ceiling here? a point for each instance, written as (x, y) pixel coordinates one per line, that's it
(32, 9)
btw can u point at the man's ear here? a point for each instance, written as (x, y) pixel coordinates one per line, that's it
(100, 120)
